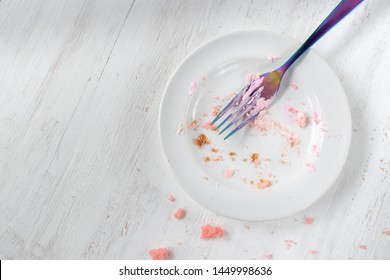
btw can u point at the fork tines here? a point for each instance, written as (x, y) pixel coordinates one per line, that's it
(244, 107)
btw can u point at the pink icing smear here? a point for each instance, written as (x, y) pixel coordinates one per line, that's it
(179, 214)
(228, 173)
(191, 90)
(210, 232)
(159, 254)
(180, 129)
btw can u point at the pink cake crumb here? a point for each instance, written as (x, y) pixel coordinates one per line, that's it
(289, 243)
(308, 220)
(210, 232)
(180, 129)
(292, 141)
(310, 166)
(179, 214)
(362, 247)
(293, 86)
(215, 110)
(228, 173)
(191, 90)
(290, 109)
(159, 254)
(386, 232)
(171, 198)
(192, 124)
(313, 252)
(203, 77)
(208, 126)
(272, 58)
(301, 120)
(217, 158)
(267, 256)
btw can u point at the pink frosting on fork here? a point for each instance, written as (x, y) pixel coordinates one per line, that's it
(255, 84)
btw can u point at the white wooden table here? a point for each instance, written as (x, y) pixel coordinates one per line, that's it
(82, 173)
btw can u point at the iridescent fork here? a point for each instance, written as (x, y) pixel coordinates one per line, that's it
(260, 92)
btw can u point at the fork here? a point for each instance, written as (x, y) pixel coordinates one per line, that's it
(260, 92)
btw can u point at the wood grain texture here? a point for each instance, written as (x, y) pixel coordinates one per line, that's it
(82, 173)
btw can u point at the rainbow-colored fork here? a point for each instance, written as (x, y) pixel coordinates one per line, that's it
(260, 92)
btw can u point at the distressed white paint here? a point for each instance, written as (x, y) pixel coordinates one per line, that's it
(82, 174)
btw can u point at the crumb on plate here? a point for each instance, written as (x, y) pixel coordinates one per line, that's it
(201, 141)
(294, 85)
(254, 158)
(171, 198)
(263, 183)
(228, 173)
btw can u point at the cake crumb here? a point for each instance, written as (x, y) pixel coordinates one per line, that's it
(289, 243)
(232, 154)
(214, 150)
(294, 85)
(267, 256)
(201, 141)
(215, 110)
(272, 58)
(313, 252)
(308, 220)
(192, 124)
(159, 254)
(179, 214)
(210, 232)
(254, 158)
(301, 120)
(206, 159)
(386, 232)
(292, 141)
(217, 158)
(171, 198)
(208, 126)
(262, 184)
(362, 247)
(228, 173)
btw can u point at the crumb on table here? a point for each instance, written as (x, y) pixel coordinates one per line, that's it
(159, 254)
(210, 232)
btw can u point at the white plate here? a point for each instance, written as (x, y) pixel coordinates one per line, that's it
(299, 176)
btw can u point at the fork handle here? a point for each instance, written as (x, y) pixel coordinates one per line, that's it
(342, 9)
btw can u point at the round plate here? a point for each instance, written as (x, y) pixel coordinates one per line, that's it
(301, 164)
